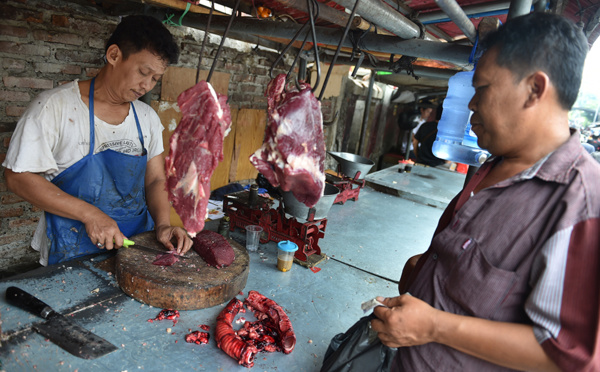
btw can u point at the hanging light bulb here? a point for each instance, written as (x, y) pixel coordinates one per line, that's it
(455, 140)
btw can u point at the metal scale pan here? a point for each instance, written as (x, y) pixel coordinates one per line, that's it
(350, 164)
(297, 209)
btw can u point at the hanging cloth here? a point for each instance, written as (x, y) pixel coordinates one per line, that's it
(111, 181)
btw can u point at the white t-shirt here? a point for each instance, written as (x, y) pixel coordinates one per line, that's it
(54, 133)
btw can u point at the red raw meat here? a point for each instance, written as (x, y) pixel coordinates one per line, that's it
(280, 321)
(196, 148)
(214, 249)
(293, 153)
(165, 259)
(197, 337)
(227, 339)
(166, 314)
(271, 332)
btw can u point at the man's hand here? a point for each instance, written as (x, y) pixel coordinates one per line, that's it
(406, 321)
(102, 229)
(165, 233)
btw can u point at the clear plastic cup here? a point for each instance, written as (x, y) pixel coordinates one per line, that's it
(285, 255)
(253, 237)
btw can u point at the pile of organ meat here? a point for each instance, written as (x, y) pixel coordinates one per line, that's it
(271, 332)
(214, 249)
(196, 148)
(293, 152)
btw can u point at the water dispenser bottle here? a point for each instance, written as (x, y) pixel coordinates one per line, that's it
(455, 140)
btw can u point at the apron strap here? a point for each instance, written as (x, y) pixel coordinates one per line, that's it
(91, 104)
(92, 133)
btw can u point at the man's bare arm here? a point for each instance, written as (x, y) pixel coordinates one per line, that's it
(45, 195)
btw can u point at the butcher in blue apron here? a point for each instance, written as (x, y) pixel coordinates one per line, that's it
(89, 153)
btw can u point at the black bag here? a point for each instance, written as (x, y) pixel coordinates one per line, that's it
(359, 349)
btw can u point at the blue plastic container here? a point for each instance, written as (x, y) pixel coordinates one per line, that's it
(455, 140)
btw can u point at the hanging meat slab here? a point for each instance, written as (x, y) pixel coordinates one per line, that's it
(293, 152)
(196, 148)
(213, 248)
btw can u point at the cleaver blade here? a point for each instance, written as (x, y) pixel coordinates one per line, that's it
(59, 329)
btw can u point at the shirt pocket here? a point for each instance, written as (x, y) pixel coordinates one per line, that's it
(476, 285)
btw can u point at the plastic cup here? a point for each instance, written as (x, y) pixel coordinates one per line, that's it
(252, 237)
(285, 255)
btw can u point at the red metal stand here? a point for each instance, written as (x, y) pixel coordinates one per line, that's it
(346, 186)
(276, 225)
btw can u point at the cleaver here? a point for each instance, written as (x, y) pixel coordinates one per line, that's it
(60, 330)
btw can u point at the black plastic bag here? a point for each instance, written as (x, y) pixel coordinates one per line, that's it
(359, 349)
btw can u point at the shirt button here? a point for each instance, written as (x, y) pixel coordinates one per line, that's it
(434, 256)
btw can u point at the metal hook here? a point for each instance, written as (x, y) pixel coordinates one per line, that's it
(311, 18)
(337, 51)
(212, 8)
(287, 47)
(233, 12)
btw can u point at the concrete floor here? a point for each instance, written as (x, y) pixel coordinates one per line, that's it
(369, 240)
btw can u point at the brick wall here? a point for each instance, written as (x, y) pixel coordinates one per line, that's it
(44, 44)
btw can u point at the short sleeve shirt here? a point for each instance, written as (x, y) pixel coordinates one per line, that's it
(54, 133)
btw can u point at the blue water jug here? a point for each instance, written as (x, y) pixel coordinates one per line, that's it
(455, 140)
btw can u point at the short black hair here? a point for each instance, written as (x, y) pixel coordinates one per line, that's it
(546, 42)
(140, 32)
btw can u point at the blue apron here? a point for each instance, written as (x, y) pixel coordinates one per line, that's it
(111, 181)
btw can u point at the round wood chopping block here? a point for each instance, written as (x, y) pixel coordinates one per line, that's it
(188, 284)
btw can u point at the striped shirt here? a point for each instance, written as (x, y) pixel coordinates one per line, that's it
(526, 250)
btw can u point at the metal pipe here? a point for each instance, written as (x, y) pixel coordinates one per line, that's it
(421, 71)
(363, 131)
(383, 15)
(456, 14)
(326, 13)
(447, 52)
(519, 8)
(439, 16)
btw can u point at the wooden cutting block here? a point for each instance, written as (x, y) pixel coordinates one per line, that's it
(189, 284)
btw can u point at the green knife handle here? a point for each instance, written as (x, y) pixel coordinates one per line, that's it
(18, 297)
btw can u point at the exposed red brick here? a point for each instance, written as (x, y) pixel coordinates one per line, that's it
(13, 31)
(10, 238)
(55, 68)
(33, 208)
(29, 49)
(15, 111)
(12, 96)
(63, 38)
(13, 64)
(60, 20)
(23, 222)
(10, 198)
(6, 142)
(11, 212)
(91, 72)
(27, 82)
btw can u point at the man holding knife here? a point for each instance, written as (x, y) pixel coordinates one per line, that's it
(90, 154)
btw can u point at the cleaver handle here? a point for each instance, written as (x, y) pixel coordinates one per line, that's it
(18, 297)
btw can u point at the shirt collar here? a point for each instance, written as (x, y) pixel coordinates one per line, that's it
(557, 165)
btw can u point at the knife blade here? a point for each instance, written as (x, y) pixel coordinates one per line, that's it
(131, 244)
(59, 329)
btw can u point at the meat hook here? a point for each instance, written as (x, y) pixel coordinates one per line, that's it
(233, 12)
(311, 18)
(212, 8)
(337, 51)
